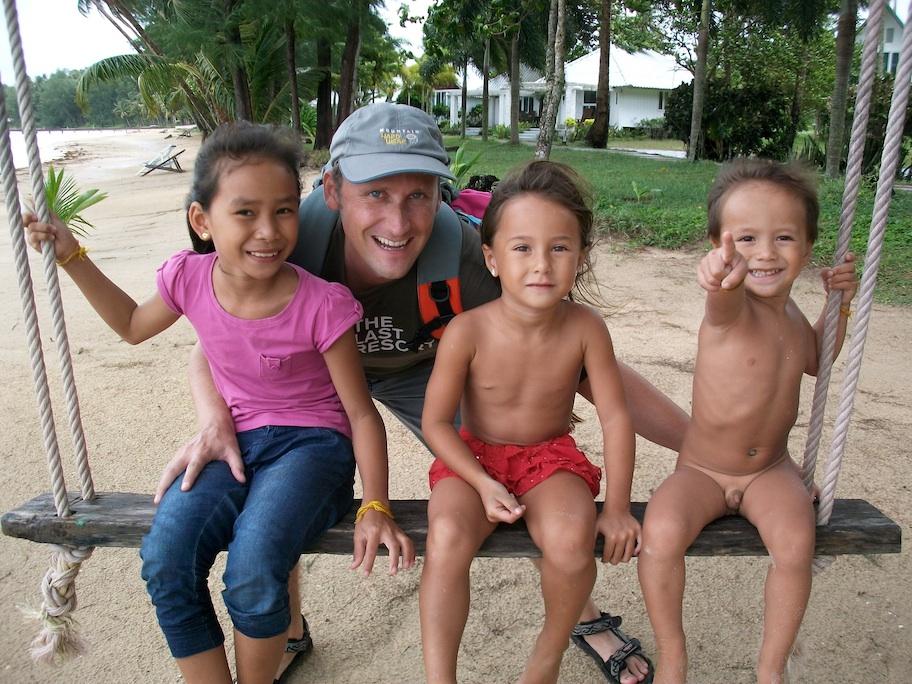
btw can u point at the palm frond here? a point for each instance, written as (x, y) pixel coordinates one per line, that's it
(65, 200)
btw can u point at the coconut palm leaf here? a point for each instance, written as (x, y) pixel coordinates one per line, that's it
(65, 200)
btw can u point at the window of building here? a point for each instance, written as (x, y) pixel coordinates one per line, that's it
(588, 97)
(527, 104)
(888, 35)
(661, 100)
(890, 61)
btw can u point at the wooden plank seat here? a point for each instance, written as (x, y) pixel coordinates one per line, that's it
(121, 519)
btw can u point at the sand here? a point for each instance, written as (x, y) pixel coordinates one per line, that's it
(136, 411)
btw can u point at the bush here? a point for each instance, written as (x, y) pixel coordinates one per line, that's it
(473, 118)
(654, 129)
(753, 118)
(501, 132)
(580, 130)
(441, 111)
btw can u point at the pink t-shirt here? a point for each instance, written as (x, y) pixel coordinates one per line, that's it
(270, 371)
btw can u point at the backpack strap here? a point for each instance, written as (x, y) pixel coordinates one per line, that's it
(439, 297)
(315, 226)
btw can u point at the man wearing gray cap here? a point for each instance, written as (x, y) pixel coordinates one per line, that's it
(377, 225)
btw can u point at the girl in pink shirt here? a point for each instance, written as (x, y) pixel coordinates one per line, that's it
(281, 347)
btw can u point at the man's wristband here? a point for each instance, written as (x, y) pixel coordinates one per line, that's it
(374, 505)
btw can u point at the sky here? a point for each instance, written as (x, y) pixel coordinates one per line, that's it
(55, 36)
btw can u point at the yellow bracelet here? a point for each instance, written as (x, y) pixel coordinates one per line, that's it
(78, 253)
(845, 310)
(374, 505)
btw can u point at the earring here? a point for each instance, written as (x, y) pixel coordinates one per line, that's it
(493, 271)
(204, 236)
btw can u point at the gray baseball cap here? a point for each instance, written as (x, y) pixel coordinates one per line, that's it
(385, 139)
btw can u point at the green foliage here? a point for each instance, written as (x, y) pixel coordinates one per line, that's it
(440, 110)
(501, 132)
(65, 200)
(580, 130)
(751, 119)
(655, 129)
(460, 165)
(473, 116)
(675, 215)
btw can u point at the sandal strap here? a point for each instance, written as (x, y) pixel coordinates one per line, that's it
(302, 645)
(606, 622)
(618, 660)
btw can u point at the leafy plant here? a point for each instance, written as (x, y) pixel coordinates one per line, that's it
(65, 200)
(460, 166)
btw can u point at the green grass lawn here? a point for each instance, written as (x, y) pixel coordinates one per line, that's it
(661, 202)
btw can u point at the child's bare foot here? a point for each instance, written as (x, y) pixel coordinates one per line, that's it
(604, 639)
(299, 644)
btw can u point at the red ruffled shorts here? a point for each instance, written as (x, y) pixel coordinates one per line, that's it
(519, 467)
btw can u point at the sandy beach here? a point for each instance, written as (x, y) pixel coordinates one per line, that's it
(136, 410)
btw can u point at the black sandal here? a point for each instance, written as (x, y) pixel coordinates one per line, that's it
(616, 664)
(300, 647)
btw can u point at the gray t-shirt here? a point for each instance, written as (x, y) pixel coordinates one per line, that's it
(391, 314)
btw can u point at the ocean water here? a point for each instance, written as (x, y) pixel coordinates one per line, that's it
(51, 144)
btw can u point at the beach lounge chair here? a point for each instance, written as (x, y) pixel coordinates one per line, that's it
(165, 160)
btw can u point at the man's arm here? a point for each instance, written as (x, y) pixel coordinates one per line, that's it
(216, 439)
(655, 417)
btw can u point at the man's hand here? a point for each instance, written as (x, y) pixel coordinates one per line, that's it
(212, 443)
(723, 268)
(375, 529)
(622, 536)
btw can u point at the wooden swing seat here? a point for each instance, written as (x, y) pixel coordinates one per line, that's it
(121, 519)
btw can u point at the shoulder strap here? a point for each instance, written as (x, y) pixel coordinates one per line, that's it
(315, 225)
(439, 297)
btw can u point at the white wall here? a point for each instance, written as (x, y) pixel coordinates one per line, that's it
(631, 105)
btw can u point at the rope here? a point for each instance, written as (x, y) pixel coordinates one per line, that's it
(888, 164)
(23, 94)
(33, 334)
(58, 638)
(869, 58)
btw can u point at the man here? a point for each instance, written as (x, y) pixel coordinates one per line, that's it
(386, 162)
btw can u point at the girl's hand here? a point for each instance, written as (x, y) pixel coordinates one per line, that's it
(36, 233)
(499, 504)
(841, 277)
(212, 443)
(723, 268)
(375, 529)
(622, 536)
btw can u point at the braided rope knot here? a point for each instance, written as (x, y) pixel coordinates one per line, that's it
(58, 638)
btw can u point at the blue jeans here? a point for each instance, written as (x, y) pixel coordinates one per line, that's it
(299, 484)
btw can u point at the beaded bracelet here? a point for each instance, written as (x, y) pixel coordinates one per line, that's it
(78, 253)
(374, 505)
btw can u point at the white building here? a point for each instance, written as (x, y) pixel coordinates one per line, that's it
(891, 40)
(639, 86)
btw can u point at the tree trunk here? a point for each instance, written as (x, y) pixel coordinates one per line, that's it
(292, 74)
(486, 68)
(549, 63)
(349, 69)
(514, 88)
(795, 113)
(465, 92)
(845, 47)
(546, 133)
(598, 133)
(324, 95)
(243, 107)
(699, 89)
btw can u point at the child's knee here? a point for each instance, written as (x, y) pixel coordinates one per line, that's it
(256, 596)
(572, 547)
(664, 537)
(453, 536)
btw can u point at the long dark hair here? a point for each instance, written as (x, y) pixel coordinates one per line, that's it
(238, 141)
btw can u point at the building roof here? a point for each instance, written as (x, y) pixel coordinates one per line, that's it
(643, 69)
